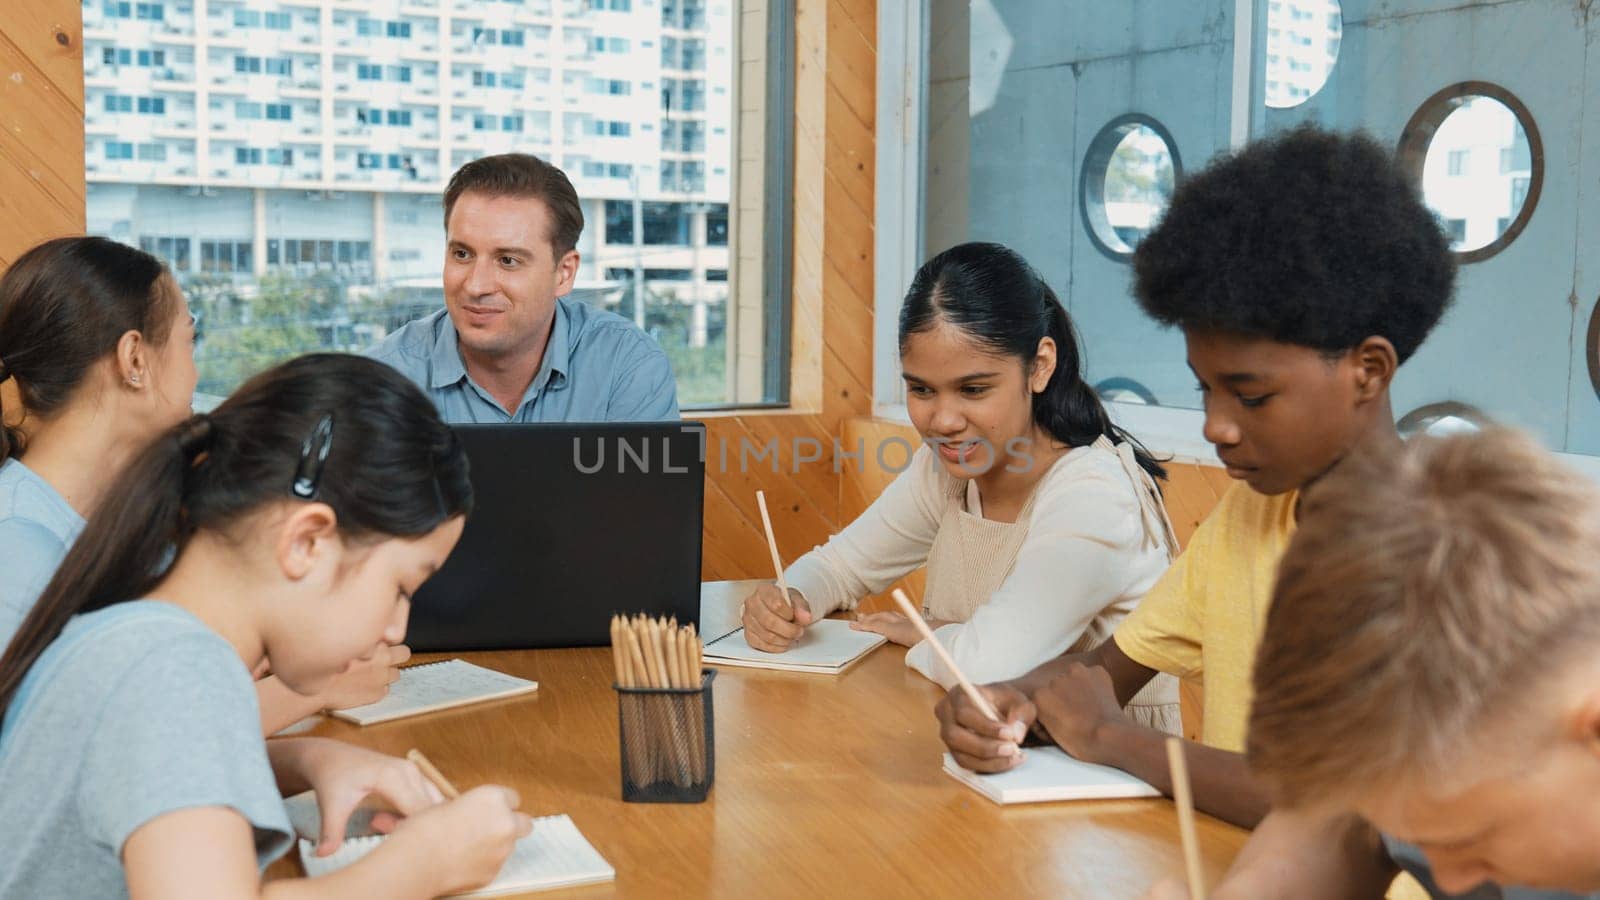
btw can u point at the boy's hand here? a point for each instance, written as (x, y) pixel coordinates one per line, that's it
(769, 623)
(1076, 707)
(978, 742)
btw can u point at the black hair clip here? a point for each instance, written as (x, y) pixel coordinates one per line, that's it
(313, 456)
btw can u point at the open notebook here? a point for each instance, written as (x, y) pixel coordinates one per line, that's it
(828, 647)
(554, 855)
(435, 686)
(1047, 774)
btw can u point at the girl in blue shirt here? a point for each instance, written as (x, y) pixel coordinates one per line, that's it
(98, 342)
(289, 527)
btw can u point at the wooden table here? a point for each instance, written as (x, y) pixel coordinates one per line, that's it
(826, 786)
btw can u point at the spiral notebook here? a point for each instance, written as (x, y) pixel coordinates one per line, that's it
(828, 647)
(1048, 773)
(554, 855)
(434, 686)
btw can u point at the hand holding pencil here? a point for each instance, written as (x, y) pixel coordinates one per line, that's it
(461, 843)
(774, 616)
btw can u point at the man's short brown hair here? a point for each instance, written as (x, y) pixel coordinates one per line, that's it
(522, 175)
(1423, 609)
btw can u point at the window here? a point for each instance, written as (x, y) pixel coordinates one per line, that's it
(312, 280)
(118, 10)
(143, 58)
(225, 256)
(666, 223)
(956, 171)
(149, 12)
(619, 222)
(1458, 161)
(716, 274)
(118, 104)
(175, 250)
(717, 226)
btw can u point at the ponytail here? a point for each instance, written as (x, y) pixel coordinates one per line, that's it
(10, 437)
(388, 467)
(1068, 407)
(117, 557)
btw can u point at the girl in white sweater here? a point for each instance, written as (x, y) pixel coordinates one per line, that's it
(1039, 521)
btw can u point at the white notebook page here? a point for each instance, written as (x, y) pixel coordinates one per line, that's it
(436, 686)
(828, 645)
(554, 855)
(1048, 773)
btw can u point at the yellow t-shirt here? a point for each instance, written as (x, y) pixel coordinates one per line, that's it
(1204, 618)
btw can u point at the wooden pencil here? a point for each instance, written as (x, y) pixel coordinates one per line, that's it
(927, 634)
(772, 545)
(433, 774)
(1184, 800)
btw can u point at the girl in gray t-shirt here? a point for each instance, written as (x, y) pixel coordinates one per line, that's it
(99, 343)
(290, 528)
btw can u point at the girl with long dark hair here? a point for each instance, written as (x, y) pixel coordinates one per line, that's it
(1039, 520)
(98, 342)
(289, 527)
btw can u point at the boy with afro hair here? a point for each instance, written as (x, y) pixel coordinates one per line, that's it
(1303, 271)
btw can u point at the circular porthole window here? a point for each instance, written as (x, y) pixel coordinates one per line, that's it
(1592, 351)
(1440, 419)
(1477, 153)
(1126, 181)
(1302, 47)
(1125, 390)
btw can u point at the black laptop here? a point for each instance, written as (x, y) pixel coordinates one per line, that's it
(573, 522)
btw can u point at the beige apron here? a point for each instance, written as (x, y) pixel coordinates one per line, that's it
(971, 558)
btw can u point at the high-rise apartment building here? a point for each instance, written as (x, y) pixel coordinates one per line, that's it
(244, 138)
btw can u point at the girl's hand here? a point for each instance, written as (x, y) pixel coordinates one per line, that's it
(468, 838)
(366, 680)
(343, 775)
(894, 626)
(769, 623)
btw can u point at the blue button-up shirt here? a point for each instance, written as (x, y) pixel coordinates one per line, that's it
(598, 367)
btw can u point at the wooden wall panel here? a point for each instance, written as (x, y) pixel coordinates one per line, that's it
(41, 124)
(836, 42)
(41, 132)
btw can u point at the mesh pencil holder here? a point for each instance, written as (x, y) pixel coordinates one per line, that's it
(668, 751)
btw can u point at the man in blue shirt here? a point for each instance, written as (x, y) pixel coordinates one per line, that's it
(510, 346)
